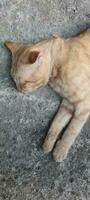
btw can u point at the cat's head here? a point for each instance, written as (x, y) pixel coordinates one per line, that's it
(31, 64)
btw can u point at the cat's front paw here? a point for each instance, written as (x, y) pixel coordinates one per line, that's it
(49, 142)
(60, 152)
(47, 147)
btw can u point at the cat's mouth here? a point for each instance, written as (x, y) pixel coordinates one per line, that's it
(26, 86)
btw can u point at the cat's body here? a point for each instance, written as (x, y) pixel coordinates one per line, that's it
(65, 64)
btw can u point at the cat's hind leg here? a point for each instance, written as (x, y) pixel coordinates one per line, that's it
(61, 119)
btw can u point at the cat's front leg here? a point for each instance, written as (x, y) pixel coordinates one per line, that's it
(62, 146)
(60, 121)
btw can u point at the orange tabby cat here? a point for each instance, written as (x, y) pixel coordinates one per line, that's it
(65, 64)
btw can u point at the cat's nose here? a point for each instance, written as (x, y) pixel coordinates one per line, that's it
(17, 82)
(20, 86)
(13, 75)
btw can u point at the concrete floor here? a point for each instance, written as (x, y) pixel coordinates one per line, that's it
(25, 172)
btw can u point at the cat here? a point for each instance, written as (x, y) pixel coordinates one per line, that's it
(64, 63)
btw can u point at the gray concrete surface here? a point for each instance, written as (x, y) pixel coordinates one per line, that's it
(25, 172)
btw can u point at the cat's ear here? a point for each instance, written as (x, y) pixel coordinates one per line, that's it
(30, 57)
(33, 57)
(12, 46)
(60, 41)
